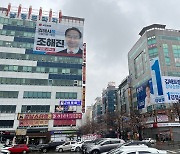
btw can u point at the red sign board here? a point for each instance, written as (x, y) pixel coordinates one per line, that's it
(65, 116)
(33, 122)
(44, 116)
(64, 122)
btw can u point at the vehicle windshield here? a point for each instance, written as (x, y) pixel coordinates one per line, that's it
(113, 151)
(99, 142)
(127, 143)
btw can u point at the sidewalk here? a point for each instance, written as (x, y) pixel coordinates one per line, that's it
(167, 145)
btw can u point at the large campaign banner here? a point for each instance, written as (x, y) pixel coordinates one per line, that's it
(58, 38)
(145, 94)
(157, 90)
(171, 88)
(156, 80)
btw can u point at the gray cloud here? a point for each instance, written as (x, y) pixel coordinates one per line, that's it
(111, 29)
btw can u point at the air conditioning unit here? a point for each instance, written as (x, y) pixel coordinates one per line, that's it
(75, 82)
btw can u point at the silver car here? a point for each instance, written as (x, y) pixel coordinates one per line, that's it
(65, 147)
(104, 146)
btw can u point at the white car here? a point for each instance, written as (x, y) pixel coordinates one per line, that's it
(65, 147)
(4, 150)
(139, 149)
(152, 141)
(77, 146)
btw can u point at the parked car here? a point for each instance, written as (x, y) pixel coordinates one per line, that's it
(138, 149)
(150, 140)
(104, 146)
(3, 149)
(65, 147)
(50, 146)
(77, 146)
(88, 143)
(130, 143)
(19, 148)
(38, 147)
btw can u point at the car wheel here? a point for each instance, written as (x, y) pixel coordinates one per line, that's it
(95, 152)
(78, 149)
(44, 150)
(24, 152)
(60, 150)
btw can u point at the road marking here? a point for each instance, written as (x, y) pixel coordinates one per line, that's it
(171, 151)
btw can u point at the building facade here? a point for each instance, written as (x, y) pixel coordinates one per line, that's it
(124, 97)
(97, 110)
(42, 85)
(109, 98)
(88, 114)
(154, 70)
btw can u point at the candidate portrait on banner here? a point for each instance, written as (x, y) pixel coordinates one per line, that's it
(73, 38)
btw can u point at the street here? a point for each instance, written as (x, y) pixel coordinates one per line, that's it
(171, 151)
(54, 152)
(51, 152)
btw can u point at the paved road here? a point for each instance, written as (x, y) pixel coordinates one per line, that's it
(53, 152)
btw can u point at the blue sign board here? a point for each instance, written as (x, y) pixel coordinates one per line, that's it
(70, 103)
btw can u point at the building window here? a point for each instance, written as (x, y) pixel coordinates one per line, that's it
(7, 108)
(35, 108)
(6, 123)
(166, 54)
(66, 95)
(9, 94)
(43, 58)
(176, 51)
(153, 52)
(151, 40)
(37, 95)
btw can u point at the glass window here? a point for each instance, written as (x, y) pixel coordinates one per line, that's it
(144, 152)
(6, 123)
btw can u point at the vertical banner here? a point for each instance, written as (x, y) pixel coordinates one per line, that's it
(84, 78)
(83, 99)
(156, 80)
(84, 64)
(145, 96)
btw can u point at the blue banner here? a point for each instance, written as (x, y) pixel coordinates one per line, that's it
(70, 103)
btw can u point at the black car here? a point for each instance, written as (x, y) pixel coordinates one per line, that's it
(33, 147)
(50, 146)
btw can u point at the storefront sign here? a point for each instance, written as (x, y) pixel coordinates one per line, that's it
(44, 116)
(162, 118)
(33, 122)
(63, 132)
(149, 126)
(21, 131)
(64, 122)
(67, 115)
(168, 124)
(150, 120)
(70, 103)
(65, 108)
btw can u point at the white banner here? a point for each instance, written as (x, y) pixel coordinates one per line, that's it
(53, 37)
(171, 88)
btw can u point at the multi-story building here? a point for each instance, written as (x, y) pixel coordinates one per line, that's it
(97, 110)
(109, 98)
(154, 70)
(42, 84)
(88, 114)
(124, 97)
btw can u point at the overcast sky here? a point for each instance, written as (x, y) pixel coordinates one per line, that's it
(111, 29)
